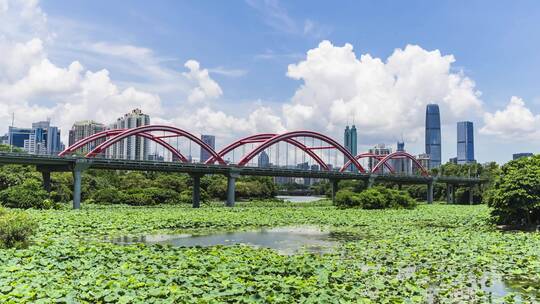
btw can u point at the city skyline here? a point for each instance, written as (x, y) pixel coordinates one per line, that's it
(289, 82)
(88, 127)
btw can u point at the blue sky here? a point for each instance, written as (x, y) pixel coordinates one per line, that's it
(494, 42)
(247, 48)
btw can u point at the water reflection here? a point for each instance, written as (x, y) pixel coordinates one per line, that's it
(300, 199)
(286, 240)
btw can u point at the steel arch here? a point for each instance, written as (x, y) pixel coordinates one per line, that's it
(289, 135)
(152, 128)
(367, 155)
(400, 154)
(262, 138)
(115, 132)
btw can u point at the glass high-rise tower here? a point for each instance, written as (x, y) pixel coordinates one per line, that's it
(351, 143)
(465, 142)
(433, 135)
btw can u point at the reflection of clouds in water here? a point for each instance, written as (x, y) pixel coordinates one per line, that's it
(286, 240)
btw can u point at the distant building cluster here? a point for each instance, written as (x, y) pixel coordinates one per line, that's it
(41, 138)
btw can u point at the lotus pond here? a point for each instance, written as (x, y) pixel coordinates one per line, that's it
(433, 254)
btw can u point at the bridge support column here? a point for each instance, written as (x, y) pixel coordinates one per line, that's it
(231, 188)
(371, 181)
(46, 180)
(450, 197)
(471, 195)
(80, 166)
(335, 187)
(196, 198)
(430, 192)
(77, 179)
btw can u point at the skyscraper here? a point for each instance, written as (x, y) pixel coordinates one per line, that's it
(401, 165)
(379, 149)
(82, 129)
(133, 147)
(263, 160)
(433, 135)
(465, 142)
(211, 141)
(351, 143)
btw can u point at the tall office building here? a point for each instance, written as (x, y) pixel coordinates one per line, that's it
(83, 129)
(17, 136)
(350, 141)
(211, 141)
(133, 147)
(521, 155)
(465, 142)
(379, 149)
(54, 144)
(402, 165)
(263, 160)
(433, 135)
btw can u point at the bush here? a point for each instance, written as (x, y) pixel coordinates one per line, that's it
(374, 198)
(29, 194)
(346, 199)
(515, 196)
(108, 196)
(15, 229)
(160, 195)
(138, 199)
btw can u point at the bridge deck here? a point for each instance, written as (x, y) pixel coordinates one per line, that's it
(68, 163)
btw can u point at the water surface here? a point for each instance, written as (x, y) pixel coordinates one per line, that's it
(299, 198)
(286, 240)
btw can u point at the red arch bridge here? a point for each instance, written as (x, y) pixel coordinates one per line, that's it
(115, 149)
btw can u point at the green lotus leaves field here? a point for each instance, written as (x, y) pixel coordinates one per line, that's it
(434, 254)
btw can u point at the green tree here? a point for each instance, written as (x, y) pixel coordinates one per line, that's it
(515, 195)
(29, 194)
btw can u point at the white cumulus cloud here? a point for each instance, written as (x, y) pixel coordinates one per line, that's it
(206, 88)
(515, 121)
(386, 98)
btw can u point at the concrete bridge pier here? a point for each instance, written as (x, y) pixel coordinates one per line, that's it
(231, 188)
(78, 168)
(46, 180)
(371, 181)
(430, 192)
(450, 194)
(196, 198)
(471, 195)
(335, 188)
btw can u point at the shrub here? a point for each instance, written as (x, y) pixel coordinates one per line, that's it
(138, 199)
(108, 196)
(346, 198)
(374, 198)
(29, 194)
(15, 228)
(162, 196)
(515, 196)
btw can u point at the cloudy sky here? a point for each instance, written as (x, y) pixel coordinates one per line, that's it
(233, 68)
